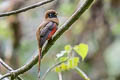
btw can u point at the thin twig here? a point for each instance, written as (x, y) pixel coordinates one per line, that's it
(82, 8)
(25, 8)
(8, 68)
(82, 74)
(60, 76)
(49, 69)
(5, 65)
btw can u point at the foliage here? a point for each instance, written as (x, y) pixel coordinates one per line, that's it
(72, 61)
(82, 50)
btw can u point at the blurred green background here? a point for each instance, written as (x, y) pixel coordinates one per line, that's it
(99, 27)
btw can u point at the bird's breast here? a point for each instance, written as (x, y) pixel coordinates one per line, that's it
(52, 31)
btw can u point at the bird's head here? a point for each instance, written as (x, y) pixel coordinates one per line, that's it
(50, 14)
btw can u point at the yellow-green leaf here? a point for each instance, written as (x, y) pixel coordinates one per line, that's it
(76, 59)
(73, 62)
(63, 58)
(68, 48)
(63, 66)
(70, 64)
(82, 50)
(57, 69)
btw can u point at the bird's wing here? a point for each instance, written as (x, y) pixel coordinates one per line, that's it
(45, 32)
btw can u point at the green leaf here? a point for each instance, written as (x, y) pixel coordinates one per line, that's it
(68, 48)
(63, 59)
(70, 64)
(82, 50)
(73, 62)
(76, 59)
(57, 69)
(63, 67)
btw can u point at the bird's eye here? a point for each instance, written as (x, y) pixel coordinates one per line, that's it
(52, 15)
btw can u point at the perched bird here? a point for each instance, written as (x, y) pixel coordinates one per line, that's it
(46, 30)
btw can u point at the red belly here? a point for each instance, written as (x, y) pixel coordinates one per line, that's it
(51, 33)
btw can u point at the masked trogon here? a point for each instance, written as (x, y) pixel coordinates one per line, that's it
(46, 30)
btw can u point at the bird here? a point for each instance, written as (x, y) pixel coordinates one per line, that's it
(45, 31)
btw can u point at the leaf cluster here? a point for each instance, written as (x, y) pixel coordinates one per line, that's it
(68, 55)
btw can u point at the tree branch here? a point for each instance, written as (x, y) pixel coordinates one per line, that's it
(8, 68)
(82, 8)
(25, 8)
(4, 78)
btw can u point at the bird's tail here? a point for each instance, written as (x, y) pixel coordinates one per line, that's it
(39, 61)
